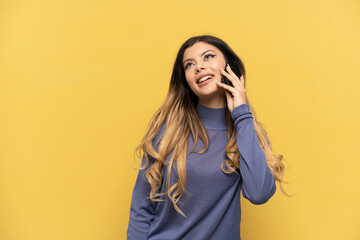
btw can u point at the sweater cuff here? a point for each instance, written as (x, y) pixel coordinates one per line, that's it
(242, 111)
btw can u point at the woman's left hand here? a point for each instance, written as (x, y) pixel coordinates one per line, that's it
(236, 95)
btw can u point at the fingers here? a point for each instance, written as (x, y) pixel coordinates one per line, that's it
(242, 81)
(228, 97)
(228, 68)
(231, 76)
(227, 87)
(229, 100)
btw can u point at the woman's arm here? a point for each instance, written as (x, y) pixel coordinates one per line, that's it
(258, 184)
(142, 208)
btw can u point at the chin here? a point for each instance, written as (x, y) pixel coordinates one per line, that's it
(209, 92)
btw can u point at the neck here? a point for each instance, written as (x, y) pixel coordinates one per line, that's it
(212, 118)
(217, 101)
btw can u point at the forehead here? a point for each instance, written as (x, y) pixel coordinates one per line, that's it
(198, 48)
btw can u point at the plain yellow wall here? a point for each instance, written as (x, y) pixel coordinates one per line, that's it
(79, 81)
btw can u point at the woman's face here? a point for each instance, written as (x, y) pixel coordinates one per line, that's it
(201, 60)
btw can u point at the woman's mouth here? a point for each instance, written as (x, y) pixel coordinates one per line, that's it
(205, 80)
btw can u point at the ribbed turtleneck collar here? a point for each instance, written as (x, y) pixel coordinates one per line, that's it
(212, 118)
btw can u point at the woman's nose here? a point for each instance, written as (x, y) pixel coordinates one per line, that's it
(199, 66)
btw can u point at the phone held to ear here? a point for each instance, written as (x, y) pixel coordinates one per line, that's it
(234, 68)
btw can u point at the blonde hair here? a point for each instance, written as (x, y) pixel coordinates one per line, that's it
(178, 113)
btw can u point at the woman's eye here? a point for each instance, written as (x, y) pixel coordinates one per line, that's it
(187, 65)
(211, 55)
(206, 57)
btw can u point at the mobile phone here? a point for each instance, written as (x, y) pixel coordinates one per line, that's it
(234, 67)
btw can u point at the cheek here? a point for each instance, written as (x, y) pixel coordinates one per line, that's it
(217, 65)
(190, 83)
(189, 78)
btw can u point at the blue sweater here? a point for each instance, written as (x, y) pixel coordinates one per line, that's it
(211, 202)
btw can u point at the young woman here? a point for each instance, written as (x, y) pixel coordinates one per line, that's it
(202, 147)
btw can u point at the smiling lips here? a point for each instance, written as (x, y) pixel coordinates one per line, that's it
(204, 78)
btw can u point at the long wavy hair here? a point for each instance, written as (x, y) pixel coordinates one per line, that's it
(179, 113)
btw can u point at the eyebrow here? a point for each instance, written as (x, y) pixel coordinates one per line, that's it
(199, 55)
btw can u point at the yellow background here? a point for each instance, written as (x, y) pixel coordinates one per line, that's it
(79, 81)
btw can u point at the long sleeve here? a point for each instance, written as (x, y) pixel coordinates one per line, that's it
(258, 184)
(142, 208)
